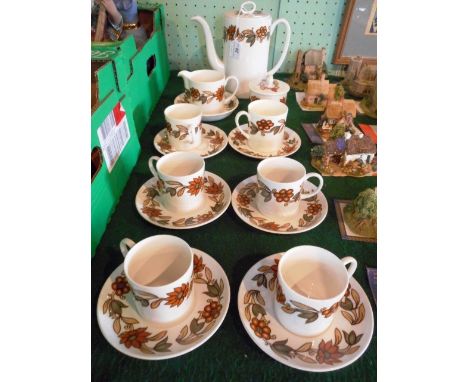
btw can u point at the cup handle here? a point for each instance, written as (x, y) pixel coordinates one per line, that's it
(352, 267)
(125, 245)
(319, 177)
(228, 99)
(151, 165)
(285, 44)
(238, 115)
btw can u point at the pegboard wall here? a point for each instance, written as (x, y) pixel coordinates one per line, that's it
(314, 24)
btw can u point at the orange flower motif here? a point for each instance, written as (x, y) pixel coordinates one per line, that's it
(283, 99)
(254, 98)
(204, 217)
(120, 286)
(288, 148)
(264, 124)
(328, 353)
(231, 32)
(332, 309)
(177, 296)
(151, 212)
(243, 200)
(217, 139)
(261, 32)
(165, 146)
(219, 94)
(260, 328)
(134, 338)
(194, 93)
(195, 186)
(198, 265)
(214, 188)
(314, 209)
(283, 195)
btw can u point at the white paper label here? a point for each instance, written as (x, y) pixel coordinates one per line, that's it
(234, 49)
(113, 135)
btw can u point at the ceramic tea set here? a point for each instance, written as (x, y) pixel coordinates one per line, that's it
(303, 308)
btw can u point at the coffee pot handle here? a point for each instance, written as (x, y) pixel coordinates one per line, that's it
(319, 187)
(285, 44)
(228, 99)
(151, 165)
(238, 115)
(352, 265)
(126, 245)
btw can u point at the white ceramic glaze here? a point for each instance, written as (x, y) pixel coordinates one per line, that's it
(280, 181)
(205, 88)
(345, 341)
(337, 277)
(267, 120)
(245, 53)
(162, 341)
(162, 257)
(183, 123)
(181, 176)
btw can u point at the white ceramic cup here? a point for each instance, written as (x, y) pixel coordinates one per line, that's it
(180, 180)
(267, 120)
(280, 183)
(183, 125)
(205, 88)
(159, 270)
(311, 281)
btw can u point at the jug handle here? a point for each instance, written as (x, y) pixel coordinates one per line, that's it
(285, 45)
(238, 115)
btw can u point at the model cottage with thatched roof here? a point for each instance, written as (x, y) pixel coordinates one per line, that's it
(359, 147)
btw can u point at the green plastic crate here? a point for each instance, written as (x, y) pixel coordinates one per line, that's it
(107, 187)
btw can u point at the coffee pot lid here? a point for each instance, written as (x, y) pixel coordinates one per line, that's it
(246, 11)
(269, 86)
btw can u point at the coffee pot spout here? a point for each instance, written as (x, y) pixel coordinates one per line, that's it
(213, 58)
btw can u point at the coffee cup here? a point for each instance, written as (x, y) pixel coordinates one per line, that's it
(311, 283)
(266, 123)
(183, 126)
(180, 184)
(280, 186)
(159, 270)
(205, 88)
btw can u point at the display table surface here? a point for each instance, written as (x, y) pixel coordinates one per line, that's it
(230, 355)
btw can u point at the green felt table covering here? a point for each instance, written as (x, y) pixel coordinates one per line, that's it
(230, 355)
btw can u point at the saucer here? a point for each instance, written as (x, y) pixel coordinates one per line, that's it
(210, 117)
(214, 141)
(341, 344)
(311, 213)
(216, 202)
(119, 321)
(291, 143)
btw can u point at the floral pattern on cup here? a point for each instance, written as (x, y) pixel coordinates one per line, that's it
(328, 352)
(152, 207)
(264, 85)
(353, 310)
(249, 35)
(244, 204)
(281, 196)
(181, 132)
(173, 299)
(125, 327)
(240, 141)
(266, 126)
(204, 96)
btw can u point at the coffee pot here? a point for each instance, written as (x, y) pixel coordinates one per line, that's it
(247, 36)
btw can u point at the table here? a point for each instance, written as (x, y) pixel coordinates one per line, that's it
(230, 355)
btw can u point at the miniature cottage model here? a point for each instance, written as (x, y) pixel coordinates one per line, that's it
(316, 94)
(359, 147)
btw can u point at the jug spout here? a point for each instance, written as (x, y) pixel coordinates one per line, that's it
(185, 74)
(213, 58)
